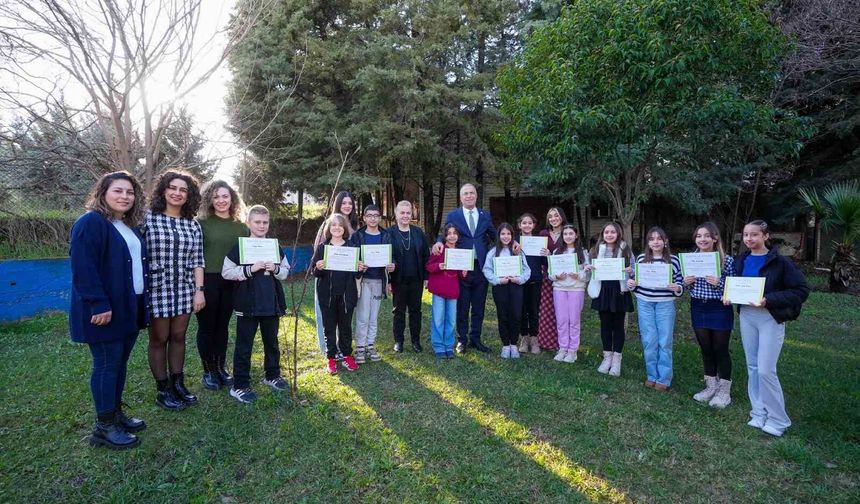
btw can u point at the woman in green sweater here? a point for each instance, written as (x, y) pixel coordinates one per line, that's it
(221, 219)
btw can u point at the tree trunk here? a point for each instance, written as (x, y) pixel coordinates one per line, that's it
(479, 180)
(816, 251)
(397, 181)
(509, 203)
(440, 208)
(300, 205)
(428, 212)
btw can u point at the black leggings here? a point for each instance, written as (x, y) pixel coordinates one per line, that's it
(612, 330)
(531, 302)
(715, 352)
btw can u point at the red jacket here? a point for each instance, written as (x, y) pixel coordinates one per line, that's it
(443, 283)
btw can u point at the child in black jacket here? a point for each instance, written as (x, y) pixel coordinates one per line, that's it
(763, 324)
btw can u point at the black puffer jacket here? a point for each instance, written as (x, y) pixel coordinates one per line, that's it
(785, 287)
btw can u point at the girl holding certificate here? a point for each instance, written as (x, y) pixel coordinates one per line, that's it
(712, 322)
(611, 298)
(763, 324)
(507, 288)
(531, 290)
(655, 295)
(568, 292)
(547, 331)
(337, 294)
(444, 285)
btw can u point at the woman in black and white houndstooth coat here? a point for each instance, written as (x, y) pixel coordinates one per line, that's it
(174, 243)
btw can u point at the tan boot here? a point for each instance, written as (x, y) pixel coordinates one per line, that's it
(706, 394)
(615, 365)
(607, 362)
(723, 396)
(535, 345)
(524, 344)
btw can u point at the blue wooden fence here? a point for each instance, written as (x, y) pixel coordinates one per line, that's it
(31, 287)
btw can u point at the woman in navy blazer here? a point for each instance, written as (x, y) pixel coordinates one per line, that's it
(108, 300)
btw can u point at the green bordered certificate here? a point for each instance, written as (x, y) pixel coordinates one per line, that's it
(341, 258)
(608, 269)
(700, 264)
(510, 266)
(532, 245)
(562, 263)
(653, 275)
(459, 259)
(252, 250)
(744, 290)
(376, 256)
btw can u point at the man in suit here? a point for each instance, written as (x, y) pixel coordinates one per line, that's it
(410, 252)
(476, 230)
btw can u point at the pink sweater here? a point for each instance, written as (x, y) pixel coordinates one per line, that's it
(443, 283)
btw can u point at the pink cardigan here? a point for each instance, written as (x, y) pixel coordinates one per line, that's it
(443, 283)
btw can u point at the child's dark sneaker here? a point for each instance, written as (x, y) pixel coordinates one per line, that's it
(277, 384)
(349, 363)
(440, 355)
(244, 395)
(359, 355)
(332, 366)
(372, 354)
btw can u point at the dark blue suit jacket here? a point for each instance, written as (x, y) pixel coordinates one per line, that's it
(102, 281)
(483, 239)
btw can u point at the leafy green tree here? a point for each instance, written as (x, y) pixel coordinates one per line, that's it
(626, 100)
(839, 209)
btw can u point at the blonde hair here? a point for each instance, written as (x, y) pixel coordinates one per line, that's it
(342, 220)
(257, 210)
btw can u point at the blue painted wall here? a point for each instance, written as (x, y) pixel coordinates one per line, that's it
(31, 287)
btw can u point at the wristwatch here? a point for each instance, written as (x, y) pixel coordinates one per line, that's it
(199, 289)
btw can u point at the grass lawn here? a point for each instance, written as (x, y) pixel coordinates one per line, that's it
(411, 429)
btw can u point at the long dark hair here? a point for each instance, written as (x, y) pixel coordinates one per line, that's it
(620, 246)
(714, 231)
(527, 215)
(560, 214)
(96, 199)
(353, 216)
(499, 245)
(649, 254)
(158, 204)
(561, 246)
(445, 232)
(237, 206)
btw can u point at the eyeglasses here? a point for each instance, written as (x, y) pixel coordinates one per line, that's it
(372, 216)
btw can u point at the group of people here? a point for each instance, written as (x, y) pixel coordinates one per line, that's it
(134, 268)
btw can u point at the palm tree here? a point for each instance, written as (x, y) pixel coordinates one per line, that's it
(838, 209)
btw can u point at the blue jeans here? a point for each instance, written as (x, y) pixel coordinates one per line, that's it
(443, 324)
(110, 364)
(656, 327)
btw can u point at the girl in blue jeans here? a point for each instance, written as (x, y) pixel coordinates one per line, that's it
(656, 307)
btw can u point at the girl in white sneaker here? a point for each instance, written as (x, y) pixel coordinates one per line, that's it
(568, 292)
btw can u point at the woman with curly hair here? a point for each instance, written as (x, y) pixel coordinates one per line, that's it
(175, 244)
(221, 220)
(108, 301)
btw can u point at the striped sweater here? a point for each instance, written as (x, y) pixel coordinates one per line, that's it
(659, 295)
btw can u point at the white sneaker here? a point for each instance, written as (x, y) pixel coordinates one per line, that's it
(773, 431)
(757, 422)
(506, 352)
(607, 362)
(560, 355)
(570, 356)
(515, 354)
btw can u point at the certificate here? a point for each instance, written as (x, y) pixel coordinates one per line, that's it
(608, 269)
(341, 258)
(744, 290)
(562, 263)
(459, 259)
(700, 264)
(510, 266)
(532, 245)
(376, 256)
(252, 250)
(653, 275)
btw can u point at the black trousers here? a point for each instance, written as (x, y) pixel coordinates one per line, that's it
(473, 298)
(407, 297)
(337, 323)
(246, 329)
(213, 321)
(612, 330)
(509, 309)
(531, 304)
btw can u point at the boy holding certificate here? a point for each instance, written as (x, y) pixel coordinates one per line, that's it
(370, 238)
(506, 271)
(763, 324)
(258, 301)
(336, 269)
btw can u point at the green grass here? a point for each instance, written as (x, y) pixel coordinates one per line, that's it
(411, 429)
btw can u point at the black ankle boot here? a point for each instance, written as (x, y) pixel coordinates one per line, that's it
(166, 398)
(224, 377)
(109, 433)
(211, 381)
(185, 395)
(129, 424)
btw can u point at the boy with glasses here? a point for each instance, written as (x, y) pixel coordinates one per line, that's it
(373, 285)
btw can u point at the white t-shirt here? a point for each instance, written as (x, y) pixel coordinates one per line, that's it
(133, 244)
